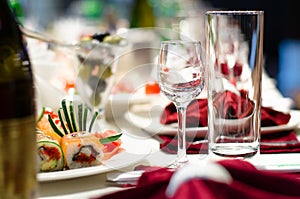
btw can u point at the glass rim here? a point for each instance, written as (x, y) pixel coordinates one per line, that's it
(234, 12)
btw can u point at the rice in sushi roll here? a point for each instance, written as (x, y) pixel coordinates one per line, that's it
(81, 149)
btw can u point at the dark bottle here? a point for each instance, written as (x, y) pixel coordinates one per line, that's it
(17, 9)
(17, 112)
(142, 14)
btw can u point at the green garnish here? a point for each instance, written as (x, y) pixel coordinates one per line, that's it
(61, 119)
(54, 127)
(70, 121)
(93, 120)
(74, 126)
(110, 139)
(67, 115)
(41, 115)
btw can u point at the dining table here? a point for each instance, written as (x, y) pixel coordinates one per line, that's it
(143, 150)
(136, 115)
(95, 184)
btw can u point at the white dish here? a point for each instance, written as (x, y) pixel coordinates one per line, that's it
(280, 162)
(133, 98)
(152, 124)
(135, 151)
(284, 162)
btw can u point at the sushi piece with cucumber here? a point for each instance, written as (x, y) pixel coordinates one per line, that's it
(50, 154)
(81, 149)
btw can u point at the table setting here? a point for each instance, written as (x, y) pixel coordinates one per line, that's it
(171, 138)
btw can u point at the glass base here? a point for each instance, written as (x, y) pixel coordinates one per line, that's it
(179, 162)
(234, 150)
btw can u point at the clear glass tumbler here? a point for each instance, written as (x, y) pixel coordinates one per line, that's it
(234, 46)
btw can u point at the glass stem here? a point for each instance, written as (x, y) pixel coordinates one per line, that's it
(181, 153)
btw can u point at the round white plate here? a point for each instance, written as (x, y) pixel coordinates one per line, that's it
(132, 98)
(282, 162)
(136, 150)
(152, 124)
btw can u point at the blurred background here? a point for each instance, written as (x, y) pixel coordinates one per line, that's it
(70, 19)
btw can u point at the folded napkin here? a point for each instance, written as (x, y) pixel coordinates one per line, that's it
(196, 114)
(197, 117)
(244, 181)
(282, 142)
(270, 143)
(233, 106)
(271, 117)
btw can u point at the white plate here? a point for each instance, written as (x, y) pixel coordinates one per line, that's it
(135, 151)
(283, 162)
(152, 124)
(133, 98)
(280, 162)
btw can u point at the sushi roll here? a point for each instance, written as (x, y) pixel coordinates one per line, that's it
(44, 126)
(81, 149)
(50, 154)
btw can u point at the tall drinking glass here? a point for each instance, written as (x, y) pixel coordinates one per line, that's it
(234, 45)
(181, 79)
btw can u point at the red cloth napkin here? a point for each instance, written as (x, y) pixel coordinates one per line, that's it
(169, 144)
(197, 117)
(271, 117)
(247, 183)
(292, 144)
(196, 114)
(232, 105)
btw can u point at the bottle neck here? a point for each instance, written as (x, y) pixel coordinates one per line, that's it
(7, 12)
(10, 34)
(5, 5)
(15, 70)
(9, 28)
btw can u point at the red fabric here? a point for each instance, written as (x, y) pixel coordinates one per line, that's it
(196, 115)
(285, 136)
(169, 144)
(232, 105)
(271, 117)
(248, 183)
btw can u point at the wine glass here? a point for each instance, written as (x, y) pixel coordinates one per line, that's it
(181, 79)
